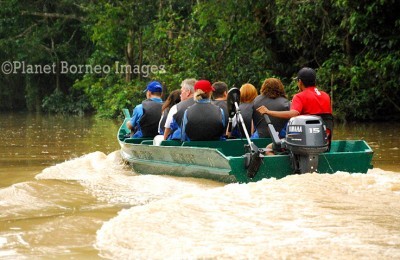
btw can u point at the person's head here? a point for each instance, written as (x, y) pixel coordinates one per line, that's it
(273, 88)
(154, 88)
(173, 98)
(203, 90)
(307, 77)
(187, 88)
(221, 90)
(247, 93)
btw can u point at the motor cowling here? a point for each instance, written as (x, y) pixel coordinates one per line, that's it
(305, 140)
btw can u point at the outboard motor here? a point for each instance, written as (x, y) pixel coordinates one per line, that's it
(305, 140)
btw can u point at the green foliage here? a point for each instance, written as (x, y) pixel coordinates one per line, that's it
(60, 103)
(109, 95)
(215, 41)
(353, 45)
(41, 33)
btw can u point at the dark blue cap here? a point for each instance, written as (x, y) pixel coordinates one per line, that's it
(154, 86)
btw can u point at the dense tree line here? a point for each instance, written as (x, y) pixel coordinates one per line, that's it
(354, 45)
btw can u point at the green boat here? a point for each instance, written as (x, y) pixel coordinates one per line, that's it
(228, 161)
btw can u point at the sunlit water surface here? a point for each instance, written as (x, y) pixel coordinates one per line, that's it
(64, 193)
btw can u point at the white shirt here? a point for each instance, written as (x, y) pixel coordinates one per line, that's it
(171, 113)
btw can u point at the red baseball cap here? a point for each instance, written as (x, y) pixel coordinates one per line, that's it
(204, 85)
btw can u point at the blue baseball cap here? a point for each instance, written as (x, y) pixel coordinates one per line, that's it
(154, 86)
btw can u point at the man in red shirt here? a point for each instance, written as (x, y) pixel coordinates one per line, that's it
(310, 101)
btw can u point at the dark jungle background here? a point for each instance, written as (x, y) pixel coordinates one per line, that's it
(354, 45)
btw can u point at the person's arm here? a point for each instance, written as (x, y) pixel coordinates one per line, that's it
(184, 137)
(137, 114)
(160, 130)
(279, 114)
(228, 131)
(168, 121)
(223, 117)
(129, 124)
(167, 131)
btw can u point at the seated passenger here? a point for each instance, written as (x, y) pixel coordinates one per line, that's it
(272, 96)
(203, 121)
(220, 96)
(247, 95)
(174, 119)
(173, 99)
(145, 118)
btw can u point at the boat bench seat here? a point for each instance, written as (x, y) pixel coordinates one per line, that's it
(230, 147)
(137, 140)
(171, 143)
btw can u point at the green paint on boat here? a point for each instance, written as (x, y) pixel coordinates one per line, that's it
(224, 160)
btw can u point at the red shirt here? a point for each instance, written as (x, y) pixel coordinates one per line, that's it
(312, 101)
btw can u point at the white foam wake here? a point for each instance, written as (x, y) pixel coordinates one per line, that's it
(336, 216)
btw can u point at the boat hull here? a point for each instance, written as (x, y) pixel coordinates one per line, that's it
(224, 160)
